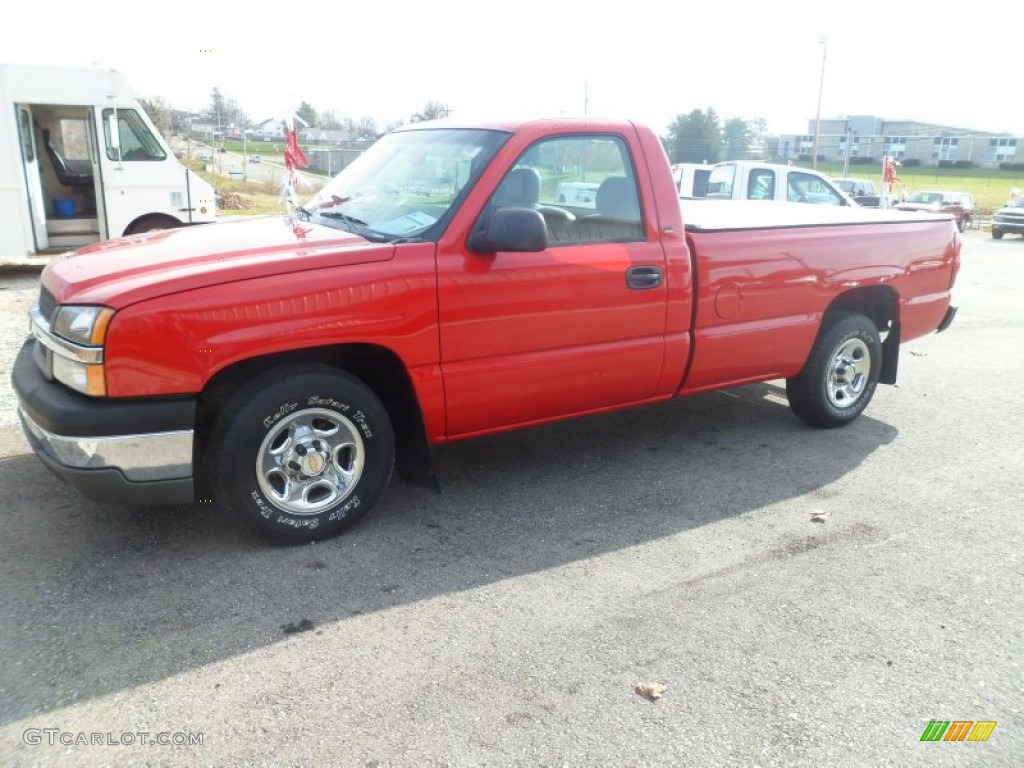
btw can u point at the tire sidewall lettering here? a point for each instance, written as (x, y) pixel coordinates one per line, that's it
(268, 511)
(280, 413)
(357, 417)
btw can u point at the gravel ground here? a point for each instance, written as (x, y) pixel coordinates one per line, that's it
(18, 290)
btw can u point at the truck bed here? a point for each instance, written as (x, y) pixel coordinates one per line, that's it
(724, 215)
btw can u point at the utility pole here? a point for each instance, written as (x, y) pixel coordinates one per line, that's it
(849, 141)
(817, 119)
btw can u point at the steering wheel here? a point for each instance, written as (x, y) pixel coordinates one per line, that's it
(549, 211)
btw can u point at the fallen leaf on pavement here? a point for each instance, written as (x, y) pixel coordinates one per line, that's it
(652, 691)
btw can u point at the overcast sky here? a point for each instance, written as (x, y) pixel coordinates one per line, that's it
(638, 59)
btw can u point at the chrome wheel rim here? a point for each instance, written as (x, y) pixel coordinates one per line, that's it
(848, 373)
(310, 461)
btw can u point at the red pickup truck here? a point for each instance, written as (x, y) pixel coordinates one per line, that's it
(436, 290)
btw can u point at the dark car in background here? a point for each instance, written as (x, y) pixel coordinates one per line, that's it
(863, 191)
(1009, 219)
(940, 202)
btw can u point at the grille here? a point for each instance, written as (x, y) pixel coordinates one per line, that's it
(47, 304)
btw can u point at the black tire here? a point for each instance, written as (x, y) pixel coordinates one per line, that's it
(301, 453)
(962, 225)
(152, 224)
(997, 234)
(841, 374)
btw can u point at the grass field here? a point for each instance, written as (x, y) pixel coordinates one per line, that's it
(240, 197)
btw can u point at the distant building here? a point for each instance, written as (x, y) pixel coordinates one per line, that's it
(324, 136)
(867, 139)
(268, 130)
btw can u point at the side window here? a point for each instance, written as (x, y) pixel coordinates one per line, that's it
(761, 185)
(700, 182)
(136, 140)
(74, 138)
(806, 188)
(583, 186)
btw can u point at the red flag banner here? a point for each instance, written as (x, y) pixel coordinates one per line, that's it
(294, 157)
(889, 170)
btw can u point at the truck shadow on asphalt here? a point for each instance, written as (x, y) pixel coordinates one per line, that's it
(99, 598)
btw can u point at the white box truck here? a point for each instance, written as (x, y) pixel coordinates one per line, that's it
(81, 162)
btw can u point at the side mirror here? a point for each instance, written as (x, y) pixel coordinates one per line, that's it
(115, 133)
(509, 229)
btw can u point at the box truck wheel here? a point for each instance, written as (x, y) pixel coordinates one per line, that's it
(301, 452)
(152, 223)
(840, 376)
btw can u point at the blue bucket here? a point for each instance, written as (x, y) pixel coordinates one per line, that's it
(64, 207)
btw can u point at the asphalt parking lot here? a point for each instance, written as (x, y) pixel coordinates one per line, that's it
(805, 597)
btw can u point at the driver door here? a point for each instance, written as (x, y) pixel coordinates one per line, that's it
(574, 328)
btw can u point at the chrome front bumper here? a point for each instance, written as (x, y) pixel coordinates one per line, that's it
(136, 451)
(140, 458)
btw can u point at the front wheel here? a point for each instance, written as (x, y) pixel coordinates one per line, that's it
(301, 453)
(997, 234)
(962, 225)
(840, 376)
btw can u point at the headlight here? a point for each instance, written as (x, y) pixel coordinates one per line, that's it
(83, 325)
(76, 339)
(87, 378)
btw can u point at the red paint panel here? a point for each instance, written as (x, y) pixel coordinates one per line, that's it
(527, 336)
(762, 293)
(199, 332)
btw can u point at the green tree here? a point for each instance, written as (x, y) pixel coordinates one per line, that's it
(308, 114)
(694, 138)
(159, 112)
(366, 128)
(736, 135)
(331, 120)
(223, 111)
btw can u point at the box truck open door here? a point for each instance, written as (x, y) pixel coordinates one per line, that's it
(33, 185)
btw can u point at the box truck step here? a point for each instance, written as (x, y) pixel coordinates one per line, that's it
(75, 225)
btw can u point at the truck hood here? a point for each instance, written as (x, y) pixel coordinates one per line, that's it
(121, 272)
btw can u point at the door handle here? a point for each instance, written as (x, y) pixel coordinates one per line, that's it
(643, 278)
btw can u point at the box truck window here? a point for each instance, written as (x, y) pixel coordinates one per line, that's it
(135, 139)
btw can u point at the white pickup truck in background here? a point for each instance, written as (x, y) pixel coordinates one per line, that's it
(744, 180)
(691, 178)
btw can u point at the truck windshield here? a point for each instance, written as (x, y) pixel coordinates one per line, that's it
(406, 183)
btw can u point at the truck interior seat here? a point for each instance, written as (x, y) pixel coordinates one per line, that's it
(616, 199)
(67, 176)
(520, 189)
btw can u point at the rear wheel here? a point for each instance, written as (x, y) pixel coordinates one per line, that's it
(301, 453)
(840, 376)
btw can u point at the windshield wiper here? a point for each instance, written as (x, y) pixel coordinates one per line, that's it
(355, 226)
(304, 213)
(342, 217)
